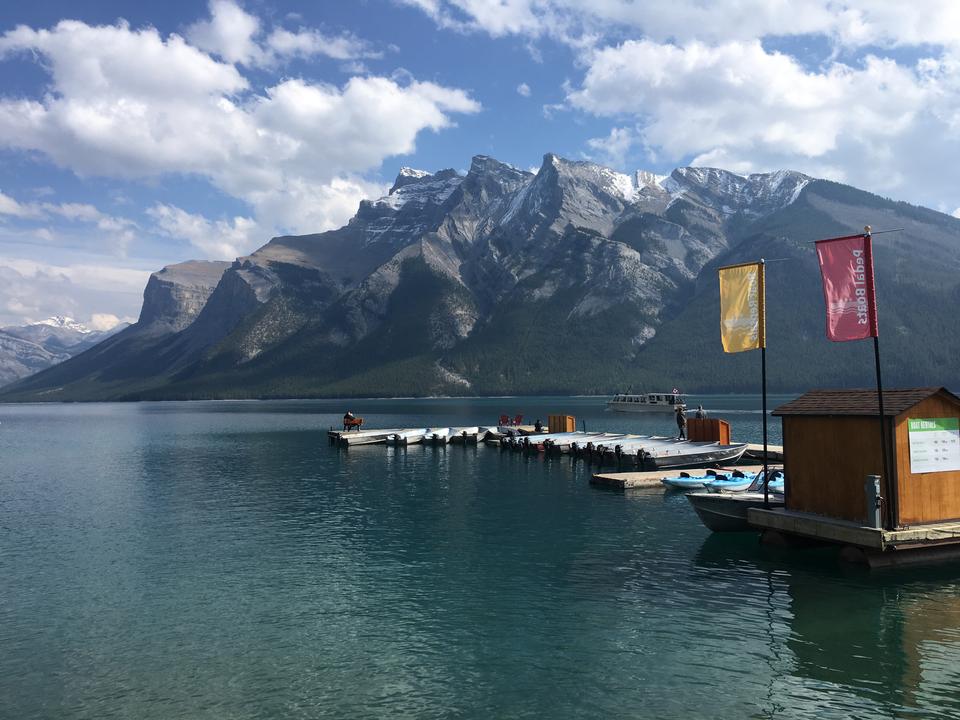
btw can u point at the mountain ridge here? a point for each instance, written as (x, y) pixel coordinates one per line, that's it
(576, 278)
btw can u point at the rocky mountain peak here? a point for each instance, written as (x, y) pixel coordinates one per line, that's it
(757, 194)
(646, 178)
(62, 321)
(176, 294)
(406, 176)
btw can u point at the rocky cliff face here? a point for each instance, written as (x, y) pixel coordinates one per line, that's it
(565, 280)
(175, 295)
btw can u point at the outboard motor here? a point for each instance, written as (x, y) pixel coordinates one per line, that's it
(618, 453)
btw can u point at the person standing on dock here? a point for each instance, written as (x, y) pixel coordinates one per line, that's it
(681, 424)
(701, 414)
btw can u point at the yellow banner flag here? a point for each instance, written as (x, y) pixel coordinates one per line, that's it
(742, 316)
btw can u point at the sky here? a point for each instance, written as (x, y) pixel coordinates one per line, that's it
(137, 135)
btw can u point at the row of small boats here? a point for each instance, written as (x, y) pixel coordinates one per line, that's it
(650, 451)
(647, 451)
(411, 436)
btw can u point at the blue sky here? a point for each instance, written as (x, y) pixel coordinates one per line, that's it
(134, 135)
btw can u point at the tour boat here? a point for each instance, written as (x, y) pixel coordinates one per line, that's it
(647, 402)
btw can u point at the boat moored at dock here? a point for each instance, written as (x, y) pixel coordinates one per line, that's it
(363, 437)
(727, 512)
(408, 437)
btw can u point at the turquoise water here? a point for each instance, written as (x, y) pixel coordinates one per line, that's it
(221, 560)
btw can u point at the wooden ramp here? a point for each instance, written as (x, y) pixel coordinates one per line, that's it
(648, 479)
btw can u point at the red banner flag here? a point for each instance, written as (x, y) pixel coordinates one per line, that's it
(846, 266)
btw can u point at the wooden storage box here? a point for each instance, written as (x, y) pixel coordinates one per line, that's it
(561, 423)
(708, 430)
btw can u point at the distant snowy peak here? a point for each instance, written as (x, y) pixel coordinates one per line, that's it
(645, 178)
(758, 193)
(420, 188)
(67, 323)
(406, 176)
(585, 174)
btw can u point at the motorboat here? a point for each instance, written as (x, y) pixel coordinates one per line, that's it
(408, 437)
(467, 435)
(364, 437)
(647, 402)
(727, 512)
(438, 436)
(659, 453)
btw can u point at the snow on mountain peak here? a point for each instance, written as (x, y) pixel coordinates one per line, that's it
(645, 178)
(421, 188)
(406, 176)
(412, 172)
(62, 321)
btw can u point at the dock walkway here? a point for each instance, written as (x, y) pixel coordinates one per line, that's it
(755, 452)
(879, 547)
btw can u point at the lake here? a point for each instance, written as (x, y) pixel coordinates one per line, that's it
(221, 560)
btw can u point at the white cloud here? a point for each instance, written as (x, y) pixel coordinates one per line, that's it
(233, 34)
(104, 321)
(879, 125)
(307, 42)
(229, 33)
(13, 208)
(31, 291)
(118, 230)
(523, 89)
(129, 103)
(612, 150)
(222, 239)
(854, 23)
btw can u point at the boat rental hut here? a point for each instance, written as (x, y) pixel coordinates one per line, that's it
(832, 443)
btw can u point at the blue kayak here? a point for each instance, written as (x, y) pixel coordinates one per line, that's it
(736, 481)
(686, 481)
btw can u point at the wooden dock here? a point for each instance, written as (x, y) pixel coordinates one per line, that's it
(648, 479)
(874, 546)
(755, 452)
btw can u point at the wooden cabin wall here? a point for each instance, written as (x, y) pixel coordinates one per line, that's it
(827, 461)
(925, 497)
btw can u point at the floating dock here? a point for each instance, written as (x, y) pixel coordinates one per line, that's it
(755, 452)
(876, 547)
(646, 479)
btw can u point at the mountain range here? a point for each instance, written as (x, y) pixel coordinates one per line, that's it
(26, 349)
(573, 279)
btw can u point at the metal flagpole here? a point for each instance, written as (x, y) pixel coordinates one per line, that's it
(887, 480)
(763, 374)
